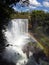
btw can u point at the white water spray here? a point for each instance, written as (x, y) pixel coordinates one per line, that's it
(16, 35)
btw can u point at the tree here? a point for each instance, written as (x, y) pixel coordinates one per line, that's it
(40, 19)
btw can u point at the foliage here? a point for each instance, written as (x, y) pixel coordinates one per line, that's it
(40, 19)
(40, 25)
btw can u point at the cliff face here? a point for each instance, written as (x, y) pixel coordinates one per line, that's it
(30, 49)
(29, 26)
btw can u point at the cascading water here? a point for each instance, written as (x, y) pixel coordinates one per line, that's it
(16, 36)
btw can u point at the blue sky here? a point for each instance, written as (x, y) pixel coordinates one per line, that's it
(33, 5)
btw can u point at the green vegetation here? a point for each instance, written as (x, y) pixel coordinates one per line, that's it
(22, 15)
(40, 27)
(40, 21)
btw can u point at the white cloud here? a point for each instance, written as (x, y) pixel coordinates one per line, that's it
(45, 10)
(46, 3)
(32, 7)
(35, 2)
(20, 9)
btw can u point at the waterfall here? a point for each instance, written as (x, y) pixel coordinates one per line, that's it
(16, 36)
